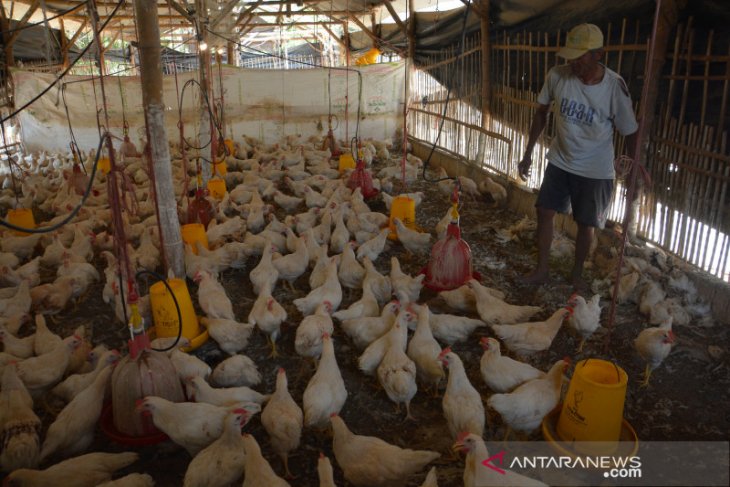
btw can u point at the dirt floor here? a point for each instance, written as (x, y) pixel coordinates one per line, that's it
(688, 398)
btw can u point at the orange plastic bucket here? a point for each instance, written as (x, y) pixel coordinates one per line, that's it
(22, 217)
(192, 233)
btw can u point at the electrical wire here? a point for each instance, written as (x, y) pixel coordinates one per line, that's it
(216, 123)
(65, 71)
(162, 279)
(462, 43)
(74, 211)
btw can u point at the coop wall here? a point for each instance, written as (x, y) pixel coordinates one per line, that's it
(684, 210)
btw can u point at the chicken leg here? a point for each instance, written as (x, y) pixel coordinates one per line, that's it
(647, 375)
(272, 343)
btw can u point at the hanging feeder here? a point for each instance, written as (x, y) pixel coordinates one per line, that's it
(21, 217)
(200, 210)
(217, 188)
(361, 177)
(450, 265)
(403, 208)
(192, 233)
(164, 313)
(143, 372)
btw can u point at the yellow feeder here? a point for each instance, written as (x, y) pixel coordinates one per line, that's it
(592, 415)
(192, 233)
(164, 313)
(221, 168)
(403, 208)
(21, 217)
(104, 165)
(230, 146)
(217, 188)
(346, 162)
(370, 57)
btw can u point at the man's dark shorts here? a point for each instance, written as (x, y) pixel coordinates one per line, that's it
(589, 198)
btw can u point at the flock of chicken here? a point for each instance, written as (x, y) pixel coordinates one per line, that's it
(337, 240)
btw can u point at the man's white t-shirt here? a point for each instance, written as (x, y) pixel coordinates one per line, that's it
(585, 116)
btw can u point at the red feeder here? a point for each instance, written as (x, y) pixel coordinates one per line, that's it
(361, 178)
(200, 210)
(450, 265)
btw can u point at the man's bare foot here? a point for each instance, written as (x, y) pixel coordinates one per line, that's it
(534, 278)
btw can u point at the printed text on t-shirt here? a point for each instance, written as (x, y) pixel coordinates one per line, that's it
(576, 112)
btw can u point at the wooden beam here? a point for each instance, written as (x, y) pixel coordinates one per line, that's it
(181, 10)
(5, 30)
(411, 32)
(111, 42)
(486, 87)
(334, 36)
(395, 16)
(246, 12)
(24, 20)
(225, 11)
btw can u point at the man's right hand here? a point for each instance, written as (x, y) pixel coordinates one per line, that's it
(523, 167)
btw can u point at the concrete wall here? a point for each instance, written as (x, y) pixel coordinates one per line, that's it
(521, 200)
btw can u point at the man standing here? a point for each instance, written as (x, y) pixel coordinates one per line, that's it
(590, 102)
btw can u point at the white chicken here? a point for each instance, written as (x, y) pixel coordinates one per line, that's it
(494, 310)
(231, 336)
(221, 463)
(654, 345)
(40, 373)
(525, 339)
(524, 408)
(73, 429)
(462, 404)
(368, 461)
(340, 235)
(200, 391)
(324, 471)
(414, 242)
(238, 370)
(88, 470)
(424, 350)
(293, 265)
(308, 340)
(397, 372)
(264, 275)
(475, 472)
(187, 365)
(258, 471)
(325, 393)
(283, 419)
(19, 426)
(350, 273)
(500, 373)
(192, 425)
(586, 316)
(379, 283)
(407, 289)
(330, 291)
(74, 384)
(45, 340)
(496, 191)
(19, 347)
(366, 306)
(363, 331)
(453, 328)
(372, 356)
(268, 315)
(373, 247)
(288, 203)
(212, 296)
(463, 299)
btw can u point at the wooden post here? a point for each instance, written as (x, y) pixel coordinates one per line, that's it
(64, 44)
(151, 76)
(231, 54)
(206, 123)
(411, 30)
(486, 84)
(667, 19)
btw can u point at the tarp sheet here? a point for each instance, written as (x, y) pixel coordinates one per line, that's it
(267, 104)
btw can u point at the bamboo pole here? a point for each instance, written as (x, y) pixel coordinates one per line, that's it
(151, 77)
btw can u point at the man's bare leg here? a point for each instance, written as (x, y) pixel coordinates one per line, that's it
(541, 274)
(582, 246)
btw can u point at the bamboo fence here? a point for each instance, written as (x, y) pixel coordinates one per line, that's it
(685, 209)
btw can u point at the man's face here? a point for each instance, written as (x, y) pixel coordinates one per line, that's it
(584, 65)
